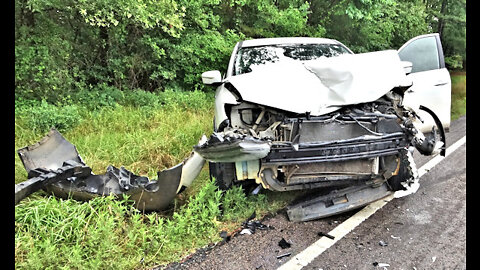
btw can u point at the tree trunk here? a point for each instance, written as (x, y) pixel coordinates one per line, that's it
(441, 21)
(105, 46)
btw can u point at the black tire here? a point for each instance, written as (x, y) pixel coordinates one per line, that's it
(405, 173)
(223, 173)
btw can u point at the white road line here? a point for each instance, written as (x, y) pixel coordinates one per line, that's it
(310, 253)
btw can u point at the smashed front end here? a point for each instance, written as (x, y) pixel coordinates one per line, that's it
(357, 144)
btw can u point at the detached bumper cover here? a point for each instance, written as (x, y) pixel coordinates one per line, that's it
(54, 165)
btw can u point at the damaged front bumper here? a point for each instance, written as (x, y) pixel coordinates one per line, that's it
(360, 153)
(54, 165)
(232, 148)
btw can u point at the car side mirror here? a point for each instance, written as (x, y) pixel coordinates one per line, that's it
(407, 67)
(211, 77)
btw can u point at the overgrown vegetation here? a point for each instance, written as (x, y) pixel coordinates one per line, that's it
(459, 94)
(106, 233)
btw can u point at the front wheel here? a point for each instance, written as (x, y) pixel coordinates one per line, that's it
(407, 173)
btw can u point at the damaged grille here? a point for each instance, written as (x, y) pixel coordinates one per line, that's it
(340, 148)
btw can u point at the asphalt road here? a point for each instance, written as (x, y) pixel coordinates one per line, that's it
(425, 230)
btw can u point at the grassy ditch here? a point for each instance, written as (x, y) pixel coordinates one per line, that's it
(145, 133)
(459, 94)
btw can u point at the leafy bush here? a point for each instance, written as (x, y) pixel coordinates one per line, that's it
(193, 100)
(454, 62)
(40, 118)
(237, 206)
(139, 98)
(98, 97)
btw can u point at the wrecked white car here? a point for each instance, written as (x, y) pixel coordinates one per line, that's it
(290, 114)
(307, 113)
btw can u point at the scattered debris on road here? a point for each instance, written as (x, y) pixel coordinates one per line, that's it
(224, 235)
(383, 243)
(249, 226)
(326, 235)
(284, 244)
(395, 237)
(284, 255)
(377, 264)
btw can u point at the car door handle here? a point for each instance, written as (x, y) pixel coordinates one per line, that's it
(440, 83)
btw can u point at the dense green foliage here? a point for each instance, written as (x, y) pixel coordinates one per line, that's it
(63, 47)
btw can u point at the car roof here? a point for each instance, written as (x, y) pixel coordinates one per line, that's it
(286, 40)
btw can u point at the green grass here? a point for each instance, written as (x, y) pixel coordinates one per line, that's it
(459, 95)
(105, 233)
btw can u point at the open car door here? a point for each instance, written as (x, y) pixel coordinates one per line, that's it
(431, 80)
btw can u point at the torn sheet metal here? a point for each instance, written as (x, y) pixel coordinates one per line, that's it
(57, 160)
(323, 85)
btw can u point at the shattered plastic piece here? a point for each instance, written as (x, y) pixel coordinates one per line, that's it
(252, 226)
(51, 157)
(326, 235)
(223, 234)
(229, 148)
(284, 255)
(377, 264)
(246, 231)
(256, 190)
(70, 170)
(284, 244)
(383, 243)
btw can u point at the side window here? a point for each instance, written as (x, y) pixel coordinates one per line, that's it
(423, 54)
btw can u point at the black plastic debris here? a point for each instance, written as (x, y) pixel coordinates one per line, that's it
(326, 235)
(284, 255)
(250, 226)
(252, 216)
(224, 235)
(284, 244)
(54, 165)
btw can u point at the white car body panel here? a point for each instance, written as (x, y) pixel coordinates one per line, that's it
(432, 87)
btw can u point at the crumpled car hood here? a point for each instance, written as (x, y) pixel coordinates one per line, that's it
(323, 85)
